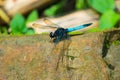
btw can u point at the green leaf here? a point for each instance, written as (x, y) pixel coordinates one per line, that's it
(32, 16)
(54, 9)
(102, 5)
(79, 4)
(30, 31)
(17, 24)
(108, 20)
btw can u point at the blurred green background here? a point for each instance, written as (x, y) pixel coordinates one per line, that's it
(109, 15)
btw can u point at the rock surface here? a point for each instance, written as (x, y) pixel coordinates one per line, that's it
(81, 58)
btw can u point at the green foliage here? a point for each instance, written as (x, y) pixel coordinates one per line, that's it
(53, 10)
(32, 16)
(3, 30)
(109, 17)
(57, 8)
(30, 31)
(108, 20)
(102, 5)
(80, 4)
(18, 23)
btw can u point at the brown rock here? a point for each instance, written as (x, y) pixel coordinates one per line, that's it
(36, 58)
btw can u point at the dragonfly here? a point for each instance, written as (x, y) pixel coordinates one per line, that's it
(61, 33)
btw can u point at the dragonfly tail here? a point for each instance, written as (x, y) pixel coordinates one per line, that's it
(78, 27)
(86, 25)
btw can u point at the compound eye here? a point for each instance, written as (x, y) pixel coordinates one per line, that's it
(51, 35)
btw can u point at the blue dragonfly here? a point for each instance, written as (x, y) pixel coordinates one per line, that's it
(61, 33)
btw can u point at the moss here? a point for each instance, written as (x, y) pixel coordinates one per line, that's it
(45, 33)
(75, 33)
(116, 43)
(96, 29)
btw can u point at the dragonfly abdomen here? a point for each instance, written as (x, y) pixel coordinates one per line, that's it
(78, 27)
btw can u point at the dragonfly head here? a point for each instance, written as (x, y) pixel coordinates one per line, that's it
(59, 34)
(51, 35)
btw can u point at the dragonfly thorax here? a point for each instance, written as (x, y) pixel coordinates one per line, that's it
(59, 34)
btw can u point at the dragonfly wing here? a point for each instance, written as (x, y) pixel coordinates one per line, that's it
(36, 25)
(51, 24)
(78, 27)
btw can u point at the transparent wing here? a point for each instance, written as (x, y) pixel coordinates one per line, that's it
(36, 25)
(51, 24)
